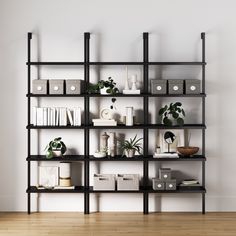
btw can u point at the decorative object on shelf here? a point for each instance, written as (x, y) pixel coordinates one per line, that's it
(100, 154)
(190, 183)
(165, 173)
(111, 144)
(126, 80)
(173, 112)
(175, 86)
(192, 86)
(103, 141)
(158, 86)
(105, 87)
(55, 148)
(73, 86)
(165, 155)
(170, 184)
(134, 89)
(65, 174)
(129, 120)
(56, 86)
(106, 114)
(187, 151)
(40, 86)
(129, 147)
(158, 184)
(48, 176)
(169, 138)
(128, 182)
(113, 107)
(104, 182)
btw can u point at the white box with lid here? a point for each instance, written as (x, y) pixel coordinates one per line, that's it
(104, 182)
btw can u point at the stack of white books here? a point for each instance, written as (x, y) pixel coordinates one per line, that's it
(190, 182)
(56, 116)
(165, 155)
(104, 122)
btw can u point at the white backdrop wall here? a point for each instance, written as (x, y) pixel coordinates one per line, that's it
(116, 35)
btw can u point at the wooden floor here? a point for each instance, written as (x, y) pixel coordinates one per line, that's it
(163, 224)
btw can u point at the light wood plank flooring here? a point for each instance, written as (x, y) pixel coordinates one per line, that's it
(104, 224)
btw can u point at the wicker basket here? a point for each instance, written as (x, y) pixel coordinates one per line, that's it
(187, 151)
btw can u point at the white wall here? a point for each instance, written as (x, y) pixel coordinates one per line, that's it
(116, 28)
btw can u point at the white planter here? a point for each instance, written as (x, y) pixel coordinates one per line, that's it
(129, 116)
(56, 153)
(129, 152)
(103, 91)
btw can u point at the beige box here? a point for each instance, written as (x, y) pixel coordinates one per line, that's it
(56, 86)
(73, 86)
(40, 86)
(104, 182)
(128, 182)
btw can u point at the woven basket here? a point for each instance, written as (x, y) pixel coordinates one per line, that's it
(187, 151)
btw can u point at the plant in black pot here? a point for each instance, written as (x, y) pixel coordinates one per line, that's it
(55, 148)
(172, 114)
(104, 87)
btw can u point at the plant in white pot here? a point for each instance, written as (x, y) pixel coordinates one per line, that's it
(55, 148)
(105, 87)
(129, 147)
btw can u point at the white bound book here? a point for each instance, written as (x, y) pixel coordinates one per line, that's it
(57, 116)
(77, 116)
(34, 115)
(70, 117)
(63, 117)
(49, 116)
(39, 116)
(53, 116)
(45, 116)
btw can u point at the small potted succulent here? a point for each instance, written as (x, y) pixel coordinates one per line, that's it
(105, 87)
(129, 147)
(55, 148)
(172, 113)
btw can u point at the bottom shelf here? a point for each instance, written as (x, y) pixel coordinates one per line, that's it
(82, 189)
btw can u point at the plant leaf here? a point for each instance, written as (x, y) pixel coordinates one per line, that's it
(180, 121)
(167, 121)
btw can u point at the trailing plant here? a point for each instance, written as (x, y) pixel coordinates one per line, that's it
(113, 100)
(109, 84)
(55, 145)
(172, 112)
(131, 144)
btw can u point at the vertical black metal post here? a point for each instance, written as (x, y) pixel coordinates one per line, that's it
(86, 123)
(28, 121)
(203, 118)
(145, 117)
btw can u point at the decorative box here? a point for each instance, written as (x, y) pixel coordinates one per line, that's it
(171, 184)
(175, 86)
(128, 182)
(104, 182)
(192, 86)
(158, 86)
(40, 86)
(158, 184)
(56, 86)
(165, 174)
(73, 86)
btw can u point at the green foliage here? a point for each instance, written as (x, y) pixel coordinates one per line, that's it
(131, 144)
(53, 145)
(109, 84)
(172, 112)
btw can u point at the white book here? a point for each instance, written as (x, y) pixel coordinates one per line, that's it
(49, 116)
(53, 116)
(62, 117)
(77, 116)
(105, 124)
(39, 116)
(64, 187)
(103, 121)
(70, 117)
(57, 116)
(34, 115)
(45, 116)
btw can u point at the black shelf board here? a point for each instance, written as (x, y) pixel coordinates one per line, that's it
(176, 95)
(55, 95)
(180, 189)
(141, 190)
(191, 63)
(34, 189)
(64, 158)
(118, 126)
(118, 158)
(54, 63)
(181, 158)
(55, 127)
(185, 126)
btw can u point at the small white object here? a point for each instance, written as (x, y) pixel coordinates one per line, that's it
(134, 81)
(48, 176)
(39, 88)
(70, 117)
(170, 185)
(100, 154)
(72, 88)
(176, 87)
(65, 170)
(57, 153)
(165, 176)
(158, 88)
(127, 80)
(63, 117)
(106, 114)
(193, 88)
(159, 185)
(56, 88)
(129, 116)
(103, 91)
(77, 116)
(111, 144)
(137, 91)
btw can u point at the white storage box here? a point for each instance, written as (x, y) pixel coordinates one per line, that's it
(73, 86)
(104, 182)
(56, 86)
(128, 182)
(40, 86)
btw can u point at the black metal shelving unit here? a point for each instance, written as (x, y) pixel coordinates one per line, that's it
(145, 189)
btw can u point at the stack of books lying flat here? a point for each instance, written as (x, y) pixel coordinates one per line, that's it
(165, 155)
(56, 187)
(190, 182)
(56, 116)
(104, 122)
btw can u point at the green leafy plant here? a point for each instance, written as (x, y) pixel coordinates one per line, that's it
(55, 145)
(172, 112)
(131, 144)
(109, 84)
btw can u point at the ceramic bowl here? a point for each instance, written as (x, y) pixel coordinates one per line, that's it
(187, 151)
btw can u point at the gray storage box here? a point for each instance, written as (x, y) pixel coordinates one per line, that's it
(73, 86)
(175, 86)
(165, 174)
(56, 86)
(40, 86)
(192, 86)
(158, 184)
(104, 182)
(171, 184)
(128, 182)
(158, 86)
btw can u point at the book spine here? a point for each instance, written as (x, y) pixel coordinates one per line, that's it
(70, 117)
(39, 116)
(53, 116)
(77, 116)
(57, 116)
(45, 116)
(63, 117)
(34, 115)
(49, 116)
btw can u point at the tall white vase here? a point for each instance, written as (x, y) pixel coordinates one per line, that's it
(111, 144)
(129, 116)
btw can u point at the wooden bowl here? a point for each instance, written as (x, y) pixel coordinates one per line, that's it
(187, 151)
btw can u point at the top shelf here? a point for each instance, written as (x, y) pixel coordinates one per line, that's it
(115, 63)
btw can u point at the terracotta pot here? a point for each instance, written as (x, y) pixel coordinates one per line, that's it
(130, 152)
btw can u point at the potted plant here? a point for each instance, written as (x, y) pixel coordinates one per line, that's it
(129, 147)
(173, 112)
(105, 87)
(55, 148)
